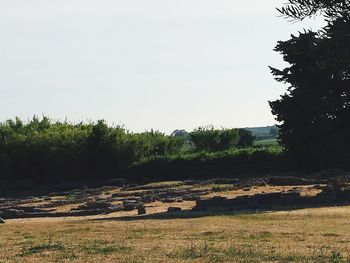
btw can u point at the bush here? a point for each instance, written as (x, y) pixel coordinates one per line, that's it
(210, 139)
(44, 151)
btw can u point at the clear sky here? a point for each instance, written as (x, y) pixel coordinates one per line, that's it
(162, 64)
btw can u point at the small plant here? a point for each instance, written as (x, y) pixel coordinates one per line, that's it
(335, 257)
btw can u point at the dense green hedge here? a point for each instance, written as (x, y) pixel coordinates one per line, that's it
(42, 150)
(237, 162)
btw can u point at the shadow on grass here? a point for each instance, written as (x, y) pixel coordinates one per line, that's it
(186, 214)
(191, 214)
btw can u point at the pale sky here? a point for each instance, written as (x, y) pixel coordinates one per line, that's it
(161, 64)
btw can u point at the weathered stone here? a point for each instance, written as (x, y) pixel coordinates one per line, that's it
(120, 194)
(285, 181)
(191, 197)
(98, 204)
(171, 199)
(115, 208)
(257, 201)
(174, 209)
(130, 205)
(141, 210)
(150, 196)
(11, 213)
(94, 205)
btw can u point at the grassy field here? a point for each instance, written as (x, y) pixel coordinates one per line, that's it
(266, 142)
(304, 235)
(309, 235)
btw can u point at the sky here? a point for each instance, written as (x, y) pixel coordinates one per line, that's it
(161, 64)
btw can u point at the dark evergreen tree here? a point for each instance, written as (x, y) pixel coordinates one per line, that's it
(315, 112)
(301, 9)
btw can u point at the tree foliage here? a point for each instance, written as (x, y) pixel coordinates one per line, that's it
(315, 112)
(43, 150)
(210, 139)
(301, 9)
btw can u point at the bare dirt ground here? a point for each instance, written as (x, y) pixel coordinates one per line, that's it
(320, 234)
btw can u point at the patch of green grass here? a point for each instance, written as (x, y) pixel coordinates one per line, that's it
(327, 254)
(255, 254)
(266, 142)
(263, 235)
(249, 253)
(28, 236)
(235, 252)
(213, 236)
(335, 257)
(101, 248)
(211, 233)
(26, 251)
(192, 251)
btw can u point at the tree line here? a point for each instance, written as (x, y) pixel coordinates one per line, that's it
(43, 150)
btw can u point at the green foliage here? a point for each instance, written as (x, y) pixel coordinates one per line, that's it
(266, 142)
(213, 140)
(46, 151)
(315, 112)
(248, 153)
(264, 133)
(206, 164)
(43, 150)
(301, 9)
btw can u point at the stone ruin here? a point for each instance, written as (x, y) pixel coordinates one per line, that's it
(332, 194)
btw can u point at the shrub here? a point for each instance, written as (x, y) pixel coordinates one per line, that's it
(210, 139)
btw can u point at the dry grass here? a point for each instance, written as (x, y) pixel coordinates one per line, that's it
(308, 235)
